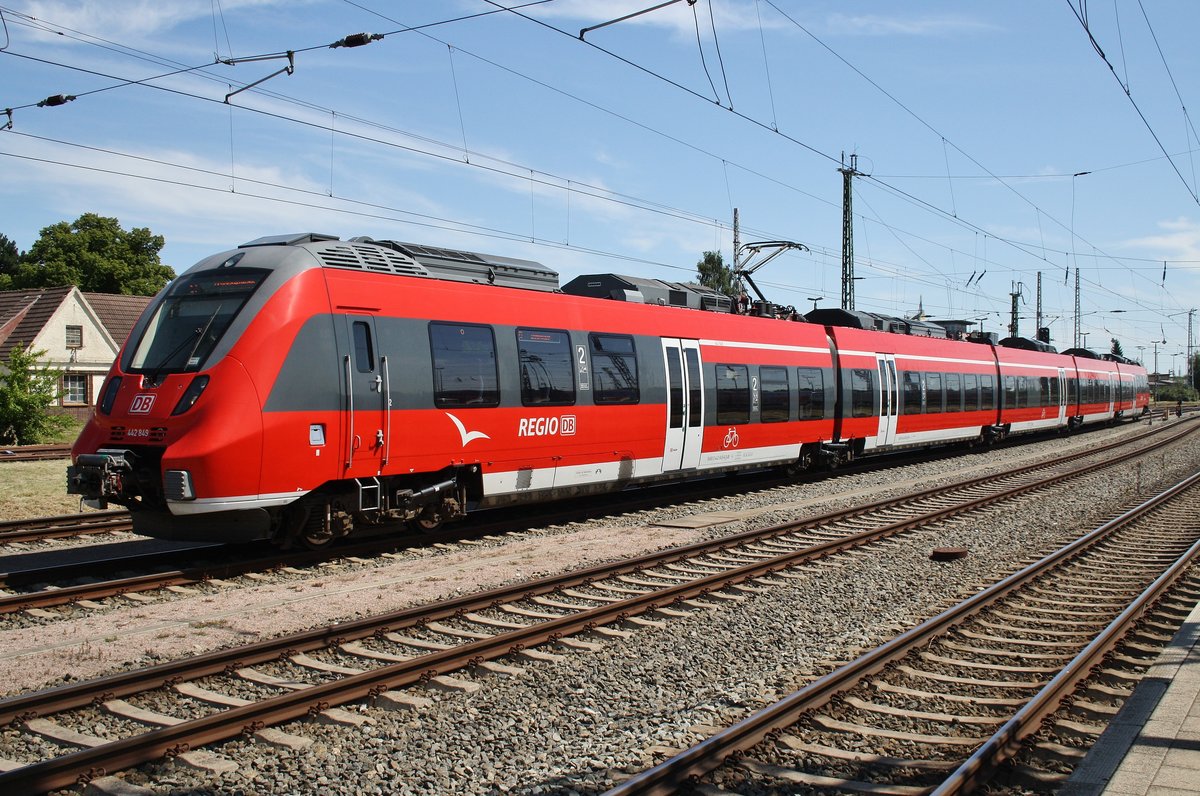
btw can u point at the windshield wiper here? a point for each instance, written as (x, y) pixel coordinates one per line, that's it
(196, 335)
(204, 331)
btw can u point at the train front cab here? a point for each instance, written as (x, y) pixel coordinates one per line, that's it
(178, 425)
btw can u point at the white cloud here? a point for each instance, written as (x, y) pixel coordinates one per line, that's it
(122, 19)
(1179, 240)
(679, 18)
(919, 25)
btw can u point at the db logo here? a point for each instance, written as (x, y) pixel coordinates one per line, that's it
(546, 426)
(140, 405)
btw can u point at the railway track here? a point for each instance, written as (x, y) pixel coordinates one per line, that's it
(940, 708)
(173, 708)
(39, 529)
(62, 526)
(179, 569)
(34, 453)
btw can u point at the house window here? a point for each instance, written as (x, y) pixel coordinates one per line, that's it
(74, 336)
(74, 389)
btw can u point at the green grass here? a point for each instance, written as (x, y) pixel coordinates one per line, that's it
(35, 489)
(67, 434)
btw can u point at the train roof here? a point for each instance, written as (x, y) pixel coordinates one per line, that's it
(1027, 344)
(412, 259)
(649, 291)
(872, 321)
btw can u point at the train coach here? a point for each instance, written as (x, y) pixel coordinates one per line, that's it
(300, 387)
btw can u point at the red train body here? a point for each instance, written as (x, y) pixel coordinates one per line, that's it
(297, 388)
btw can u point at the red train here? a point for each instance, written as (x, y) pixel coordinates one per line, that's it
(297, 388)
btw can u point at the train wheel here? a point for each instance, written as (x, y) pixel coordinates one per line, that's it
(317, 539)
(429, 520)
(316, 530)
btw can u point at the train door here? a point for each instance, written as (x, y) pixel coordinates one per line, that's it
(888, 398)
(685, 404)
(367, 399)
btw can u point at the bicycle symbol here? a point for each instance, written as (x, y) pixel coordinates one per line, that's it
(731, 438)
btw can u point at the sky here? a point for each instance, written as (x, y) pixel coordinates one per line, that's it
(993, 141)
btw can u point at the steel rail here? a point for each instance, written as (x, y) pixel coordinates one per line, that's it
(31, 453)
(225, 724)
(34, 529)
(124, 683)
(1006, 741)
(674, 773)
(181, 577)
(26, 530)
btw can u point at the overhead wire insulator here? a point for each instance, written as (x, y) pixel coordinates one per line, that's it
(357, 40)
(56, 100)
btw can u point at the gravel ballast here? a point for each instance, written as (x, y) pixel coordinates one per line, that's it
(581, 723)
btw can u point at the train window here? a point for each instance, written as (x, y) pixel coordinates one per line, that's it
(364, 352)
(733, 394)
(192, 318)
(1043, 385)
(987, 392)
(810, 383)
(953, 392)
(862, 392)
(464, 365)
(614, 368)
(970, 392)
(547, 368)
(1010, 392)
(934, 398)
(773, 383)
(912, 392)
(674, 389)
(691, 359)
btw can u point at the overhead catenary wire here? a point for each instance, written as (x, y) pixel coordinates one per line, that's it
(951, 216)
(950, 249)
(1081, 15)
(1175, 86)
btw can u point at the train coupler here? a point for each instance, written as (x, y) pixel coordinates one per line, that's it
(100, 476)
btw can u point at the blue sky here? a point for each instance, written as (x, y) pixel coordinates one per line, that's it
(505, 133)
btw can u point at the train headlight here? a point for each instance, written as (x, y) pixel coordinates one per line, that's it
(191, 395)
(110, 394)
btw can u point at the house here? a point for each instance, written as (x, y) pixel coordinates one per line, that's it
(81, 334)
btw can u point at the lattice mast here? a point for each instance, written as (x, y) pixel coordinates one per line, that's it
(848, 175)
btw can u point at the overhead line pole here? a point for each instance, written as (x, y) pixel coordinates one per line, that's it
(848, 175)
(1190, 365)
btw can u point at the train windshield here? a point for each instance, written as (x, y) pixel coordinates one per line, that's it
(191, 320)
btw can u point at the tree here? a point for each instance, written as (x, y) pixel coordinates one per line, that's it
(1116, 347)
(713, 273)
(96, 254)
(10, 261)
(26, 392)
